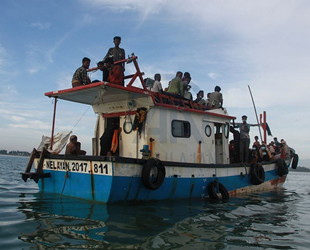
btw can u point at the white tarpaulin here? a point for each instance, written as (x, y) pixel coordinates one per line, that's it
(59, 142)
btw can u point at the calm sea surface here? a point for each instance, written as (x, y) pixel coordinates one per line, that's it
(274, 220)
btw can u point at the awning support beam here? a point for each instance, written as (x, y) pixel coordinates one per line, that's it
(53, 125)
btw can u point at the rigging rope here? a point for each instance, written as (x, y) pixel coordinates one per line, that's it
(80, 118)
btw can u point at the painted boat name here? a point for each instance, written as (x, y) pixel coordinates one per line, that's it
(81, 167)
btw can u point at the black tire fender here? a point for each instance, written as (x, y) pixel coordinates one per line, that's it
(257, 174)
(295, 161)
(221, 188)
(149, 181)
(282, 167)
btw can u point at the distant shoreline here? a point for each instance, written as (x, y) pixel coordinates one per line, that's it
(16, 153)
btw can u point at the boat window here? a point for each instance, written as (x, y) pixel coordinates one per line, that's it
(218, 130)
(181, 129)
(208, 130)
(226, 130)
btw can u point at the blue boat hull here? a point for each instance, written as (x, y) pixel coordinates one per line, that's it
(121, 180)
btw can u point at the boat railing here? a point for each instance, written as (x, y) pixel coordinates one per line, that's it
(167, 99)
(164, 99)
(133, 77)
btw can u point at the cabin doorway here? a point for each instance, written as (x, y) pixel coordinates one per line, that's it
(221, 134)
(208, 147)
(218, 135)
(106, 144)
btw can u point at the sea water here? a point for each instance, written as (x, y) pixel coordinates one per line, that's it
(269, 220)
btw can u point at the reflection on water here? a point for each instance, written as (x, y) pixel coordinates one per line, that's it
(253, 220)
(273, 220)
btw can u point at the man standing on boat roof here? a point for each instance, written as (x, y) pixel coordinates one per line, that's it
(176, 85)
(244, 139)
(116, 52)
(80, 76)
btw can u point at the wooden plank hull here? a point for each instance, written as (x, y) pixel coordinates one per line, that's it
(111, 180)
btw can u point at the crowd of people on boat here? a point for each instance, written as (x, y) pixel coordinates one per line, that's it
(240, 150)
(113, 72)
(180, 87)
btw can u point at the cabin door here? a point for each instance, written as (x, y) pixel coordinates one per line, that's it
(208, 147)
(221, 134)
(218, 135)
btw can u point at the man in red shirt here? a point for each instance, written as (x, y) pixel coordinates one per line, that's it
(116, 74)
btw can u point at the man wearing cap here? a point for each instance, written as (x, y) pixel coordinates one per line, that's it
(244, 139)
(74, 147)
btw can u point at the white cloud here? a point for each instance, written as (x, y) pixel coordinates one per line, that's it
(64, 82)
(213, 76)
(17, 118)
(41, 25)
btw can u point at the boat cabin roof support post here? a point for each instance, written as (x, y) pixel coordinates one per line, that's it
(265, 127)
(53, 125)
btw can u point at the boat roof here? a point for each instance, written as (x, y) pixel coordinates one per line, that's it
(101, 93)
(93, 93)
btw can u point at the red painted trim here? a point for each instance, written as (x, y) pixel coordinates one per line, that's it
(72, 90)
(94, 85)
(92, 69)
(118, 114)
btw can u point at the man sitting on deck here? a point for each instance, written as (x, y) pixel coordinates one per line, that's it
(74, 147)
(105, 71)
(176, 85)
(80, 77)
(216, 98)
(116, 75)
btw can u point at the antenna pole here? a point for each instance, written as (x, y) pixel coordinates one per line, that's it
(260, 133)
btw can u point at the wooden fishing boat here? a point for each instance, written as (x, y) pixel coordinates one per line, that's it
(163, 147)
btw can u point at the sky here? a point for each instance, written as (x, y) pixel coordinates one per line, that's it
(233, 44)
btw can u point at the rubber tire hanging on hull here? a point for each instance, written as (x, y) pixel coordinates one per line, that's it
(282, 167)
(257, 174)
(295, 161)
(221, 188)
(147, 180)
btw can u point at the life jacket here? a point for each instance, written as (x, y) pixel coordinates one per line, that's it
(114, 143)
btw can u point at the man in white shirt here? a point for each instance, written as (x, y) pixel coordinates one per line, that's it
(157, 87)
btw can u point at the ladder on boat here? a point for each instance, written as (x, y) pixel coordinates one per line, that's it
(39, 172)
